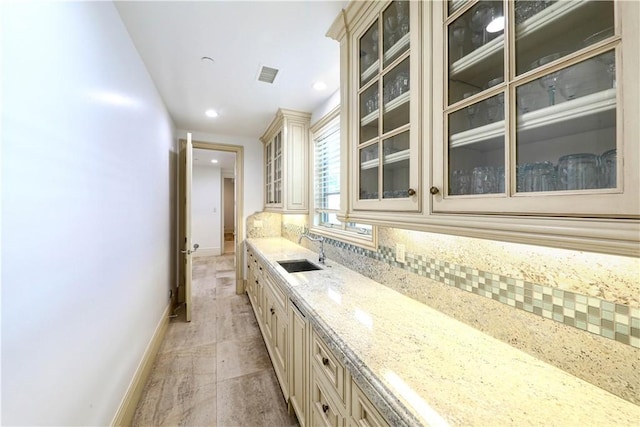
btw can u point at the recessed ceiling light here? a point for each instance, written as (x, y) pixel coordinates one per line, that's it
(214, 161)
(319, 85)
(211, 113)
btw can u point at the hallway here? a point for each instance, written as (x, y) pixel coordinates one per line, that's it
(214, 371)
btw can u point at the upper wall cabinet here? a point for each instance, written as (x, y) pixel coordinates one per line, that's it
(510, 120)
(537, 108)
(286, 157)
(384, 100)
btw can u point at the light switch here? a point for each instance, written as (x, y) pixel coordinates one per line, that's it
(400, 252)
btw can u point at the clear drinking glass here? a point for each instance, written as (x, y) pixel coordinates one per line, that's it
(578, 171)
(608, 162)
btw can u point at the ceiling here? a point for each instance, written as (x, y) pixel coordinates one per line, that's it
(240, 36)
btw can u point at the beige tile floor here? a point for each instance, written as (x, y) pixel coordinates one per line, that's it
(215, 370)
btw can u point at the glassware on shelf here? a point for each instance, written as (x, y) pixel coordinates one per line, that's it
(460, 182)
(549, 81)
(459, 34)
(530, 97)
(402, 12)
(479, 20)
(472, 110)
(525, 9)
(495, 108)
(391, 27)
(578, 171)
(402, 82)
(484, 180)
(608, 162)
(537, 176)
(582, 79)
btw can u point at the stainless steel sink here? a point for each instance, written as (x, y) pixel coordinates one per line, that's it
(298, 265)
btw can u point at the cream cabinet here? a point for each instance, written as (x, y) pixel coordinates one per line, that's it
(286, 154)
(314, 381)
(383, 52)
(275, 330)
(298, 364)
(521, 116)
(534, 119)
(363, 413)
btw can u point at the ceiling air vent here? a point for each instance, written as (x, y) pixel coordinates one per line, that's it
(267, 74)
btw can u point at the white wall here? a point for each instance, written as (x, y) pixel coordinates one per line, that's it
(229, 204)
(253, 167)
(88, 161)
(323, 109)
(206, 217)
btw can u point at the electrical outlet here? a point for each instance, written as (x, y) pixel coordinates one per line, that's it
(257, 223)
(400, 252)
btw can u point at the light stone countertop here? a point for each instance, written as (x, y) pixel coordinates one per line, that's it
(421, 367)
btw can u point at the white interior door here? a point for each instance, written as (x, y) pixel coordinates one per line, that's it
(187, 248)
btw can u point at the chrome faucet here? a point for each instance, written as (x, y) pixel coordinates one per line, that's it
(321, 256)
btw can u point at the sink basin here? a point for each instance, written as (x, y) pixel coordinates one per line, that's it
(298, 265)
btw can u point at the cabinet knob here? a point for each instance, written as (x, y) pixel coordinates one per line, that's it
(256, 282)
(272, 310)
(434, 190)
(325, 408)
(411, 192)
(325, 361)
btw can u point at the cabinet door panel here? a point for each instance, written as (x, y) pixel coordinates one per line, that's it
(386, 163)
(534, 121)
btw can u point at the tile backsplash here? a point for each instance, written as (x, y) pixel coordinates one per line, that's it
(579, 311)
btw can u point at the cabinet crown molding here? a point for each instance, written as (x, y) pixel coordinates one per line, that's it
(277, 122)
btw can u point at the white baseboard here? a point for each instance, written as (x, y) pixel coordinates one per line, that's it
(207, 252)
(124, 415)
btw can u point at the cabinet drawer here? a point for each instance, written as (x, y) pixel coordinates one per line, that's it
(328, 367)
(363, 413)
(325, 411)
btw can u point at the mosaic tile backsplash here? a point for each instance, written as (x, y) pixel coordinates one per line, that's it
(617, 321)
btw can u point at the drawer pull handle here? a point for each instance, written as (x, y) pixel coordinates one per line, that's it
(325, 408)
(325, 361)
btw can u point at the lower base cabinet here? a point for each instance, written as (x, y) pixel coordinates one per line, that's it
(298, 364)
(325, 411)
(363, 413)
(316, 385)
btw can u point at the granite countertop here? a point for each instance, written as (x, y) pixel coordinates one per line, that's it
(421, 367)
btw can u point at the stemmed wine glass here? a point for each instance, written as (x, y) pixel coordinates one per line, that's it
(549, 81)
(478, 24)
(403, 17)
(459, 34)
(391, 26)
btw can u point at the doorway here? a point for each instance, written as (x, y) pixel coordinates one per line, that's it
(209, 202)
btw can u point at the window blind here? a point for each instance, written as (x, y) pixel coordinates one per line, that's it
(327, 177)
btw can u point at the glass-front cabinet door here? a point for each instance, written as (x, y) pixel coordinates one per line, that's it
(273, 171)
(534, 115)
(385, 144)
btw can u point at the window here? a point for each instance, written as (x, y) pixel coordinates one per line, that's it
(327, 183)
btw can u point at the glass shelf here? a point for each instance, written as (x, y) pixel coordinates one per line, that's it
(573, 115)
(486, 54)
(398, 101)
(388, 159)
